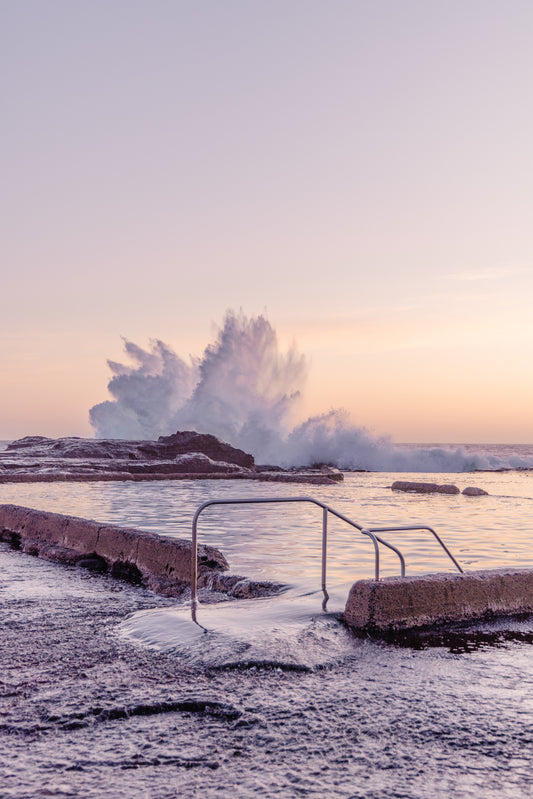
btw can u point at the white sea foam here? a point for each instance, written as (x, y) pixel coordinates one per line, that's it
(246, 392)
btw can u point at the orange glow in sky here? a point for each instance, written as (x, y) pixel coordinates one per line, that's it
(360, 172)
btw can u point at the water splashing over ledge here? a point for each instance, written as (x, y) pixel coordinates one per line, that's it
(246, 392)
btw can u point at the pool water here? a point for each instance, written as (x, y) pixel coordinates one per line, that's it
(283, 542)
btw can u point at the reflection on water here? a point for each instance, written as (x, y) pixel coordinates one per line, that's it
(283, 542)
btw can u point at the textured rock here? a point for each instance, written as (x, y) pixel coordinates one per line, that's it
(165, 448)
(420, 488)
(181, 443)
(181, 456)
(448, 488)
(396, 603)
(435, 488)
(199, 462)
(333, 473)
(424, 488)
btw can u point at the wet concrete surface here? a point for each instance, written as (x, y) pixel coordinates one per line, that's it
(86, 712)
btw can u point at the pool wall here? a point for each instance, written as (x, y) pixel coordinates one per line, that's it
(158, 562)
(396, 603)
(163, 564)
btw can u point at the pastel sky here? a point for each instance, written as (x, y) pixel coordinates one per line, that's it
(360, 171)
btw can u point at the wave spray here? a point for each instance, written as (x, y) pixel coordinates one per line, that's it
(246, 392)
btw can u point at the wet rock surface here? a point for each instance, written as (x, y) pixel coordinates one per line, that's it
(424, 488)
(435, 488)
(165, 448)
(84, 713)
(183, 455)
(473, 491)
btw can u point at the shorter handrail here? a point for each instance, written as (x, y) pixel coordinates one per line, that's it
(325, 510)
(417, 527)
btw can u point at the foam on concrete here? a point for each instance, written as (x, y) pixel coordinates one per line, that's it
(397, 603)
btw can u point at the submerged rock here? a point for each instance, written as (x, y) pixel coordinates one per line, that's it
(435, 488)
(448, 488)
(424, 488)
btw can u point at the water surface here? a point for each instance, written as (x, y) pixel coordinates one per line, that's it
(283, 542)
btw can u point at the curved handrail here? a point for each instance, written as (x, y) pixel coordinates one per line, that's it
(418, 527)
(370, 530)
(262, 500)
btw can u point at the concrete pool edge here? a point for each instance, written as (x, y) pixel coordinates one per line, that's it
(163, 564)
(160, 563)
(397, 604)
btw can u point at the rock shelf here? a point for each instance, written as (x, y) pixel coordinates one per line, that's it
(185, 455)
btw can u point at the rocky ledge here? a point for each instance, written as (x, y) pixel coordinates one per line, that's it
(181, 456)
(434, 488)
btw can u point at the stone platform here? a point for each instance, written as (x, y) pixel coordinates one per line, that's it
(395, 603)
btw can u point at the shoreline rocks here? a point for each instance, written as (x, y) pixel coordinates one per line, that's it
(166, 448)
(185, 455)
(434, 488)
(472, 491)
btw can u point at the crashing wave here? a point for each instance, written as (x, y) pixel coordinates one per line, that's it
(246, 392)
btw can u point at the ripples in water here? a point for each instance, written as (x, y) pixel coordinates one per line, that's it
(283, 543)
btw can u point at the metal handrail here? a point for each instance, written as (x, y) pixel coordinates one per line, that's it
(417, 527)
(325, 510)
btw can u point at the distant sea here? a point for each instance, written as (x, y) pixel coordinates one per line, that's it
(504, 451)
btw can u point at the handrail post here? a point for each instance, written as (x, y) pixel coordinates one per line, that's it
(324, 545)
(324, 555)
(194, 558)
(371, 535)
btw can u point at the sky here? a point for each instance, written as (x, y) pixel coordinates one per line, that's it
(359, 171)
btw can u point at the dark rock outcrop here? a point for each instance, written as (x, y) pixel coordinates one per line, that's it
(166, 448)
(185, 455)
(434, 488)
(187, 441)
(424, 488)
